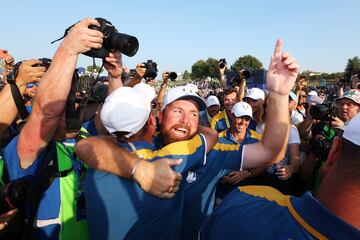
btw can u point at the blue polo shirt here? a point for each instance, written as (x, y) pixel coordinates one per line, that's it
(220, 121)
(119, 209)
(200, 184)
(260, 212)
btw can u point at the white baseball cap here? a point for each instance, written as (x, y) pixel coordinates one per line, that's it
(255, 93)
(313, 93)
(182, 92)
(192, 87)
(242, 109)
(211, 101)
(352, 130)
(127, 109)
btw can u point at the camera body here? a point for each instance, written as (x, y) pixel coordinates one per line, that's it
(124, 43)
(323, 112)
(222, 62)
(151, 70)
(14, 194)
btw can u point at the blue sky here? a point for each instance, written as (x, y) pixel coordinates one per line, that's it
(321, 35)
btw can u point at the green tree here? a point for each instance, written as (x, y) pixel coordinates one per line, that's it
(186, 75)
(90, 69)
(352, 67)
(203, 69)
(246, 61)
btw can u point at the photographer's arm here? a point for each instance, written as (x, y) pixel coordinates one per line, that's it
(222, 77)
(26, 74)
(162, 90)
(50, 100)
(280, 79)
(113, 64)
(154, 177)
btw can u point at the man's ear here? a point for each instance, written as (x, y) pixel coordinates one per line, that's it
(152, 119)
(160, 116)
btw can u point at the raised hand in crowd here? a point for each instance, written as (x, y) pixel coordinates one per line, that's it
(162, 90)
(27, 73)
(282, 72)
(113, 64)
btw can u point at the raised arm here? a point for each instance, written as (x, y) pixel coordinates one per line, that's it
(27, 73)
(280, 79)
(211, 136)
(50, 100)
(154, 177)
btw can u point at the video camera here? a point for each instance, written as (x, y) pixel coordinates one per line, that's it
(151, 70)
(172, 76)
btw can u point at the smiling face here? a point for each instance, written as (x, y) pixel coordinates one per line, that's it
(179, 121)
(240, 124)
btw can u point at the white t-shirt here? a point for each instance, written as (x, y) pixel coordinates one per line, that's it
(294, 138)
(296, 117)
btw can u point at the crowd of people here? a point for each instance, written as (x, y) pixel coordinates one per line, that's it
(118, 158)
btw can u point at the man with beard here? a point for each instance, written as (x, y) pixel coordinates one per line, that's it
(201, 182)
(124, 210)
(221, 121)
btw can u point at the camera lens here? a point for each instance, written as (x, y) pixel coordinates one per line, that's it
(172, 76)
(126, 44)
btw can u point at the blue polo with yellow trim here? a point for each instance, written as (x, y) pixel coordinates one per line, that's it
(119, 209)
(200, 184)
(260, 212)
(220, 121)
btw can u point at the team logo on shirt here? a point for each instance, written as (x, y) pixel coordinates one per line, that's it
(191, 177)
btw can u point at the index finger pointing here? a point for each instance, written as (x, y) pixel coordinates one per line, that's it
(278, 48)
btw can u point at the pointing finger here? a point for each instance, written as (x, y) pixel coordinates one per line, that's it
(278, 48)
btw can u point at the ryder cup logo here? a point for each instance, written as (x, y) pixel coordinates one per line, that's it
(191, 177)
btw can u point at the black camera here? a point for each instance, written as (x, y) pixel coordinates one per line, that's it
(151, 70)
(323, 112)
(124, 43)
(172, 76)
(45, 62)
(14, 194)
(222, 62)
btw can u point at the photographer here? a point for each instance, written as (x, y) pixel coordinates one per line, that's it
(26, 155)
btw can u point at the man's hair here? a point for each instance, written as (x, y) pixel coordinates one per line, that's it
(121, 136)
(348, 163)
(229, 91)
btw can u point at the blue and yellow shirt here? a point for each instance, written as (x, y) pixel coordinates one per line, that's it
(220, 121)
(120, 209)
(260, 212)
(200, 184)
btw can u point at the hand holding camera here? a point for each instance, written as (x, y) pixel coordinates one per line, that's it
(30, 71)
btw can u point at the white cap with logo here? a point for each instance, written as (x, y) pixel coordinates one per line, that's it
(180, 93)
(255, 93)
(212, 100)
(127, 109)
(241, 109)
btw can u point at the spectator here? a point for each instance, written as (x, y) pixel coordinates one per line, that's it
(221, 121)
(212, 108)
(255, 97)
(349, 104)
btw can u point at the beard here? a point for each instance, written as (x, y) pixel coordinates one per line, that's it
(176, 133)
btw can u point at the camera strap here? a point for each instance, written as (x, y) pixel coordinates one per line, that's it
(18, 99)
